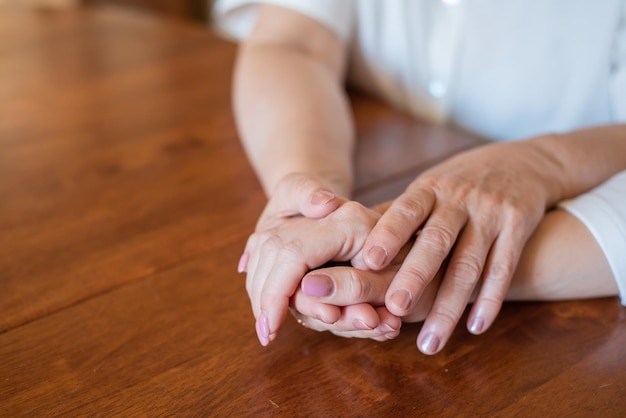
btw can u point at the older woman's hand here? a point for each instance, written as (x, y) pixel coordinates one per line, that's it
(478, 208)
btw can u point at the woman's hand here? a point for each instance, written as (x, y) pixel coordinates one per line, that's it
(295, 195)
(479, 208)
(286, 245)
(358, 298)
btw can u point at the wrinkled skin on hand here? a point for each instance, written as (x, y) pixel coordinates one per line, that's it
(476, 209)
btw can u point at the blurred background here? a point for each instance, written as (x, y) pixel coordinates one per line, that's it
(186, 9)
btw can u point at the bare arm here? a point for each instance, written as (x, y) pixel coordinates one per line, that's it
(291, 110)
(562, 260)
(582, 159)
(294, 120)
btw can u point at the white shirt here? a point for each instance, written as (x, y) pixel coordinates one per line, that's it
(502, 69)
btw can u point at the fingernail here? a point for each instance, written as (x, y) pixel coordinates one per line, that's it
(386, 328)
(402, 299)
(477, 326)
(376, 256)
(358, 324)
(321, 197)
(243, 263)
(318, 285)
(430, 344)
(391, 335)
(325, 320)
(263, 329)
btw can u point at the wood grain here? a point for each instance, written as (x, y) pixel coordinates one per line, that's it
(126, 202)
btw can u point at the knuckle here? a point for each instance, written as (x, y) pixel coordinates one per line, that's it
(413, 276)
(270, 242)
(359, 289)
(484, 220)
(409, 209)
(467, 269)
(355, 214)
(489, 200)
(465, 190)
(291, 250)
(448, 315)
(391, 234)
(500, 271)
(438, 236)
(351, 209)
(432, 181)
(516, 213)
(491, 303)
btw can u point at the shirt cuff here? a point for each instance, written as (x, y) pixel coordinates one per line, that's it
(603, 211)
(235, 18)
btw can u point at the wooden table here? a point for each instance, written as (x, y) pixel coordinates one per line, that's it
(125, 202)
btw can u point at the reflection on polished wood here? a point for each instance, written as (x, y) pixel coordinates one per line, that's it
(126, 200)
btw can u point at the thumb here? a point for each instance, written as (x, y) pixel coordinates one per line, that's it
(300, 194)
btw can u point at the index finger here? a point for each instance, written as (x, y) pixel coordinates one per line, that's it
(396, 227)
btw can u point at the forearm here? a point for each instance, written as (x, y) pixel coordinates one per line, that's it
(582, 159)
(293, 115)
(562, 260)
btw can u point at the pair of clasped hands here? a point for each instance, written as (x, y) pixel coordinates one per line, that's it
(454, 236)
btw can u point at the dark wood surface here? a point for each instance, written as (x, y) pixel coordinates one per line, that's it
(125, 203)
(186, 9)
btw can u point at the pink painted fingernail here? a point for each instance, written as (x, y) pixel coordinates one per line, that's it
(318, 285)
(321, 197)
(376, 256)
(402, 299)
(243, 263)
(263, 329)
(430, 344)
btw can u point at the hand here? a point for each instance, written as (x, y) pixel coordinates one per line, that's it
(296, 194)
(479, 208)
(357, 298)
(286, 246)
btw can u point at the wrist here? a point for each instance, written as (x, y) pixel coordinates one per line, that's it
(582, 159)
(549, 167)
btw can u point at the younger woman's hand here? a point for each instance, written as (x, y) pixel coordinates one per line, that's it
(287, 245)
(295, 195)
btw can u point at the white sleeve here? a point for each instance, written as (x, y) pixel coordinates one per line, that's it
(235, 18)
(617, 81)
(603, 211)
